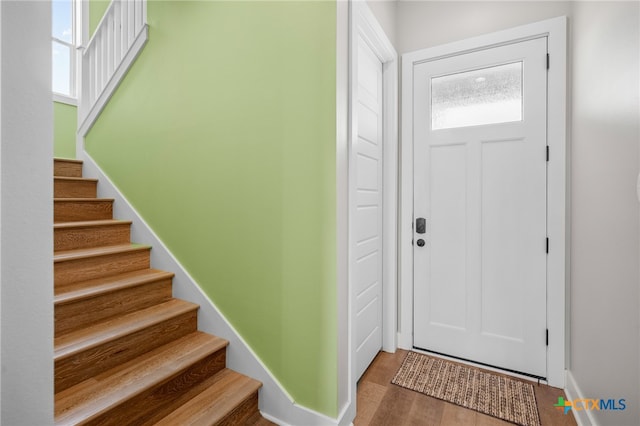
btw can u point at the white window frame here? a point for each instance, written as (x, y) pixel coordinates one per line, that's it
(74, 55)
(557, 172)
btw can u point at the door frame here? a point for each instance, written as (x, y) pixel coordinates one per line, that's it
(557, 178)
(364, 24)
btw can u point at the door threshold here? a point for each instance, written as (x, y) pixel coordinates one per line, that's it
(482, 366)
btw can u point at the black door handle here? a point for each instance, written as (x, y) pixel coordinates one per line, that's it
(421, 225)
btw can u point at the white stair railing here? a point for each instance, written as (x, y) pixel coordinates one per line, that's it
(117, 41)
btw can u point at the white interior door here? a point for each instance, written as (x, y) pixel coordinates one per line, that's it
(480, 184)
(366, 242)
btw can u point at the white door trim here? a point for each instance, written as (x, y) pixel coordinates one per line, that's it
(363, 24)
(557, 263)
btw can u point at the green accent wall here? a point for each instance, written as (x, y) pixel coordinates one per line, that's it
(223, 137)
(65, 123)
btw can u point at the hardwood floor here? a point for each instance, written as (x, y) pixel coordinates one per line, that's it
(381, 403)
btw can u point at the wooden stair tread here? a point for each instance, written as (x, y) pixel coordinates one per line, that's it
(227, 390)
(97, 395)
(98, 334)
(69, 255)
(83, 199)
(67, 160)
(74, 179)
(99, 286)
(90, 223)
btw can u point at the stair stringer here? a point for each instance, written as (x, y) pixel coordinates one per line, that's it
(275, 403)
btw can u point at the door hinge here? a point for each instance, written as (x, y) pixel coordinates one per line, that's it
(547, 152)
(547, 245)
(547, 337)
(547, 61)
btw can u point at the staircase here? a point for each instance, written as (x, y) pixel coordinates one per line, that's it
(127, 352)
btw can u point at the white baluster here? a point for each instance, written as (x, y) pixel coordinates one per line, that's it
(117, 15)
(131, 35)
(108, 42)
(103, 60)
(138, 22)
(98, 53)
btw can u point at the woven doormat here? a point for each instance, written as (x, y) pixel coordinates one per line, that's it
(497, 396)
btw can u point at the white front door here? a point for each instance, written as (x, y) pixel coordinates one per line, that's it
(480, 175)
(366, 242)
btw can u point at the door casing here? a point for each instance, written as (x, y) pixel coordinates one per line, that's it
(557, 223)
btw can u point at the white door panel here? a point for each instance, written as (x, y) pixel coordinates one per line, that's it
(367, 244)
(447, 222)
(480, 182)
(366, 271)
(367, 221)
(367, 173)
(367, 123)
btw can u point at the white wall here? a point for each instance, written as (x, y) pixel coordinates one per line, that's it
(605, 128)
(423, 24)
(604, 153)
(385, 12)
(26, 214)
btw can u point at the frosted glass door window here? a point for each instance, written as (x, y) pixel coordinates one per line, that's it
(472, 98)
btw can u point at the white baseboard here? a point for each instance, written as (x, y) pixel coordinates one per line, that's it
(276, 404)
(572, 390)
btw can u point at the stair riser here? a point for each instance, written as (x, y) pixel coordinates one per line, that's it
(82, 313)
(161, 400)
(242, 414)
(73, 211)
(91, 236)
(74, 189)
(74, 271)
(74, 369)
(67, 168)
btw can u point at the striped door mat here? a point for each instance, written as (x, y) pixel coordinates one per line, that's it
(492, 394)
